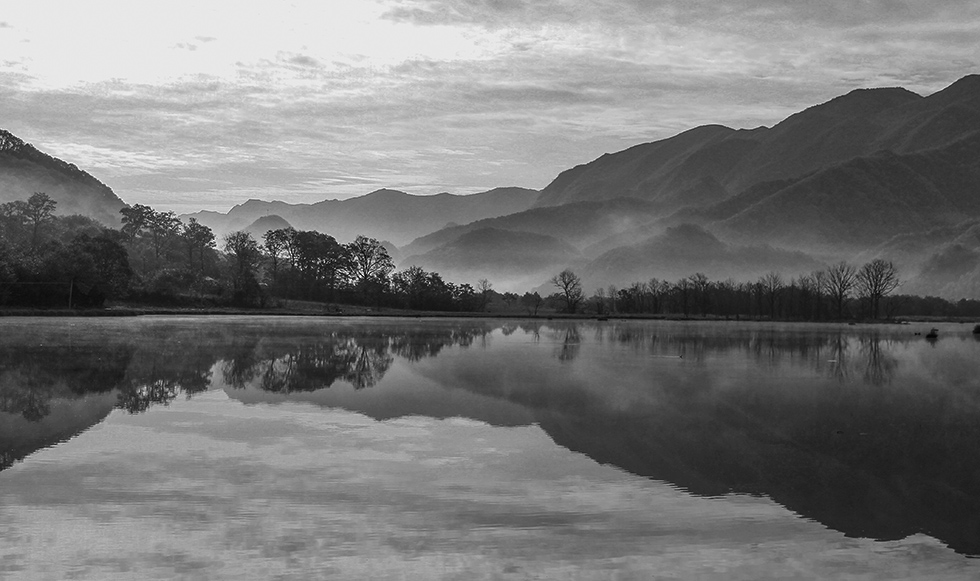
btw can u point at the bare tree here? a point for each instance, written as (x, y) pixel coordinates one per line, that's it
(599, 298)
(701, 285)
(570, 287)
(612, 293)
(838, 284)
(819, 278)
(772, 285)
(659, 289)
(808, 294)
(483, 286)
(875, 280)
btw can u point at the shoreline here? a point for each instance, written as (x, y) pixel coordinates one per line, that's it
(358, 311)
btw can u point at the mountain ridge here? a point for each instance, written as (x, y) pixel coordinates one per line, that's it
(856, 124)
(834, 181)
(24, 169)
(385, 213)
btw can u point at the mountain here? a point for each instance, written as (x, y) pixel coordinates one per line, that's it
(25, 170)
(944, 261)
(259, 227)
(384, 214)
(654, 171)
(876, 173)
(710, 163)
(512, 260)
(862, 202)
(580, 223)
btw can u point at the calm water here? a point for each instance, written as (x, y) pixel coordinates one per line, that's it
(296, 448)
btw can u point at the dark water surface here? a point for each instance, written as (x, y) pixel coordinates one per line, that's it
(229, 448)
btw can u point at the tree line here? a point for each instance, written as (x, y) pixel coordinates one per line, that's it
(156, 258)
(839, 292)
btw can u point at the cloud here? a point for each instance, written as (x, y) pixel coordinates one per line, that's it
(304, 60)
(737, 13)
(439, 95)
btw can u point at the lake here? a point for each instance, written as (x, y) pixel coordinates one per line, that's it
(375, 448)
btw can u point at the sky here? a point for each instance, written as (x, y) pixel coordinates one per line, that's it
(202, 105)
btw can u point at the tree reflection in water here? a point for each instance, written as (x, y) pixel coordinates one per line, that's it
(360, 357)
(880, 367)
(837, 358)
(309, 367)
(169, 363)
(26, 391)
(569, 342)
(711, 408)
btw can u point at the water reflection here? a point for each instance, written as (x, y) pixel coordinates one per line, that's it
(872, 432)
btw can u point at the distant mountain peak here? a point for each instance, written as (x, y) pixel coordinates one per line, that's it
(970, 82)
(964, 91)
(388, 192)
(262, 225)
(384, 214)
(861, 102)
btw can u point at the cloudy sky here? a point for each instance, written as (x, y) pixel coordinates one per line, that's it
(191, 105)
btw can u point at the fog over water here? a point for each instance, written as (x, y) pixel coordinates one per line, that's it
(390, 448)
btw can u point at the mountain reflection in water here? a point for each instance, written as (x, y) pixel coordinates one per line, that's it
(870, 431)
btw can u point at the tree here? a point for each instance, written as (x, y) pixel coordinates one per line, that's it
(599, 298)
(819, 278)
(771, 285)
(196, 236)
(570, 287)
(276, 244)
(532, 302)
(701, 285)
(612, 293)
(682, 289)
(367, 261)
(511, 300)
(875, 280)
(110, 263)
(838, 284)
(136, 219)
(246, 257)
(38, 210)
(12, 222)
(410, 284)
(6, 272)
(318, 258)
(484, 287)
(659, 289)
(163, 226)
